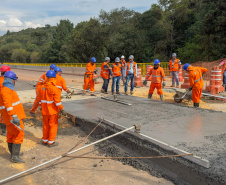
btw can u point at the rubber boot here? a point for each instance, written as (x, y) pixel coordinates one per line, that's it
(32, 114)
(3, 128)
(10, 147)
(149, 96)
(196, 104)
(161, 97)
(15, 154)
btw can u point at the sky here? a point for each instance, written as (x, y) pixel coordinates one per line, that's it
(16, 15)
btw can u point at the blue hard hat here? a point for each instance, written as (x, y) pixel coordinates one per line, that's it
(11, 75)
(52, 66)
(50, 74)
(185, 67)
(156, 61)
(56, 69)
(93, 59)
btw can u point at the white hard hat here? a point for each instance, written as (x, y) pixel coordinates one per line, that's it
(174, 55)
(117, 59)
(107, 59)
(131, 57)
(122, 56)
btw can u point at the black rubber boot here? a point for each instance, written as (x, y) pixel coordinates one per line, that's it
(15, 154)
(3, 128)
(161, 97)
(196, 104)
(10, 147)
(149, 96)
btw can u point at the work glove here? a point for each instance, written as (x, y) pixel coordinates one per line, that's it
(16, 120)
(95, 71)
(145, 82)
(63, 113)
(163, 83)
(190, 88)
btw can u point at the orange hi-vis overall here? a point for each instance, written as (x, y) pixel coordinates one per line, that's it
(196, 82)
(134, 68)
(174, 66)
(104, 72)
(88, 78)
(10, 105)
(38, 86)
(61, 84)
(1, 82)
(116, 70)
(50, 100)
(158, 76)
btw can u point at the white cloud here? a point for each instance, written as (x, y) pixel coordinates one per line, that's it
(18, 15)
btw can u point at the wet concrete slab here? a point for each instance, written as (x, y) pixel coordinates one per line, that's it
(198, 131)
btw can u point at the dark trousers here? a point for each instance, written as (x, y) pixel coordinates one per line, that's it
(105, 85)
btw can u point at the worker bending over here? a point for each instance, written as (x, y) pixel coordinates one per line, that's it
(38, 86)
(158, 79)
(196, 81)
(60, 82)
(105, 74)
(3, 70)
(88, 78)
(50, 99)
(116, 73)
(174, 67)
(130, 73)
(12, 112)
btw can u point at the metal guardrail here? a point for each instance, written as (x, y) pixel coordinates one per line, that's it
(143, 66)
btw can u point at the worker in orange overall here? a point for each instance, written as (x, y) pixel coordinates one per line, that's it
(196, 81)
(105, 74)
(223, 64)
(50, 99)
(158, 79)
(116, 73)
(88, 78)
(38, 86)
(123, 63)
(12, 112)
(174, 67)
(3, 70)
(60, 82)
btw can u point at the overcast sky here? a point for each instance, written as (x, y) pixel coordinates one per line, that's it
(16, 15)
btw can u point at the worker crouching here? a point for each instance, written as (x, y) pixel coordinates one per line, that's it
(50, 99)
(12, 112)
(158, 79)
(196, 81)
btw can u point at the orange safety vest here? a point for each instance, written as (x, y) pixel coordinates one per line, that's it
(174, 66)
(60, 83)
(195, 76)
(50, 98)
(116, 70)
(158, 75)
(90, 69)
(104, 73)
(10, 104)
(123, 62)
(134, 68)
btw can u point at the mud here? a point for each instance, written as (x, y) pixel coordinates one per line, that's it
(193, 130)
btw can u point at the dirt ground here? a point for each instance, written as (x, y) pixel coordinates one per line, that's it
(67, 170)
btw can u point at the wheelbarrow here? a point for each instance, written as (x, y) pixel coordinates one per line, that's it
(181, 95)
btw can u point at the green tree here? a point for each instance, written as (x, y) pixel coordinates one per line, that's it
(19, 55)
(34, 57)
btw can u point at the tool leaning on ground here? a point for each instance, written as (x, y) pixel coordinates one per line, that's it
(179, 96)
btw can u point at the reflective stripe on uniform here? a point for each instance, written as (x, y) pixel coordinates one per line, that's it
(57, 104)
(9, 109)
(2, 107)
(41, 79)
(16, 103)
(198, 80)
(51, 142)
(59, 87)
(45, 101)
(45, 140)
(156, 76)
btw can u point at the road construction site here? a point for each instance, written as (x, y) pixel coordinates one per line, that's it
(167, 129)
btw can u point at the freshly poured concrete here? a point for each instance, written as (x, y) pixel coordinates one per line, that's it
(198, 131)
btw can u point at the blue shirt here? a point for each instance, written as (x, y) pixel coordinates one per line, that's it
(131, 69)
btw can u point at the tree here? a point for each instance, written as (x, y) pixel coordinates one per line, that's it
(19, 55)
(34, 57)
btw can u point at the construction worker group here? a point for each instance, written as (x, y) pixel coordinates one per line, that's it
(51, 83)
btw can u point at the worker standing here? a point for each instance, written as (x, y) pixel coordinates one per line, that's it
(3, 70)
(123, 63)
(50, 99)
(88, 78)
(223, 64)
(196, 81)
(38, 86)
(60, 82)
(13, 114)
(116, 73)
(130, 73)
(158, 79)
(105, 74)
(174, 67)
